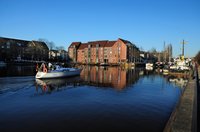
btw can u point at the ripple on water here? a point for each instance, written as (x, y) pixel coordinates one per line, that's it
(13, 84)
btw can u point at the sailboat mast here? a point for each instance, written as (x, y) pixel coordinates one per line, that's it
(164, 53)
(183, 47)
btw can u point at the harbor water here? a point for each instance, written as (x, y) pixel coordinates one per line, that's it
(100, 99)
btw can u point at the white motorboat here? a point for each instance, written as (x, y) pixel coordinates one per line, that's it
(59, 72)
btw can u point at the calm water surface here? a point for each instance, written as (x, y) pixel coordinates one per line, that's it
(100, 99)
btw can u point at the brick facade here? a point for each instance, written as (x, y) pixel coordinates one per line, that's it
(104, 52)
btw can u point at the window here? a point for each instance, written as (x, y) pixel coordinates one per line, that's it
(8, 45)
(19, 44)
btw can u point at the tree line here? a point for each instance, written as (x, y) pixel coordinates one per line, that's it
(197, 58)
(51, 45)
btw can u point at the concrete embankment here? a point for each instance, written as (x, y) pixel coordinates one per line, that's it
(184, 116)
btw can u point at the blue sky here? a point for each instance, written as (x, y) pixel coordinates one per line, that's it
(147, 23)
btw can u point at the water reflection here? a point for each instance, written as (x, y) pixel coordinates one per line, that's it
(50, 85)
(100, 99)
(115, 77)
(178, 80)
(104, 77)
(17, 70)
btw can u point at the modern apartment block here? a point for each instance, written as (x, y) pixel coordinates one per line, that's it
(104, 52)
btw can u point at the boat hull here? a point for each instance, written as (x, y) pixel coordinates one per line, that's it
(57, 74)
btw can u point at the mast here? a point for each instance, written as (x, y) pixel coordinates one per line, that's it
(164, 53)
(170, 52)
(183, 44)
(183, 47)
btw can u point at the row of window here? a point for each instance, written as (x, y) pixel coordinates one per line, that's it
(8, 46)
(100, 60)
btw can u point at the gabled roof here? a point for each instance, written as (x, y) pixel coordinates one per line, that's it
(83, 46)
(4, 40)
(40, 44)
(110, 43)
(75, 43)
(125, 41)
(23, 43)
(101, 43)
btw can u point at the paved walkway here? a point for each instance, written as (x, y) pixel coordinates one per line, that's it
(184, 117)
(198, 101)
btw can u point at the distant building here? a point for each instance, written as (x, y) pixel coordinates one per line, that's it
(58, 55)
(148, 57)
(156, 56)
(63, 55)
(104, 52)
(15, 49)
(165, 55)
(53, 55)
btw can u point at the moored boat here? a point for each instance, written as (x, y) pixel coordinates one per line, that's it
(149, 66)
(166, 70)
(180, 66)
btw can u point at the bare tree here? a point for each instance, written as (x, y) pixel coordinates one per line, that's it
(141, 48)
(60, 48)
(50, 44)
(153, 50)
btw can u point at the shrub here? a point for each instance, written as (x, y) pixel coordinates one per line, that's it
(197, 58)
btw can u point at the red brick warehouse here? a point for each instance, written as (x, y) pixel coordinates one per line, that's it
(104, 52)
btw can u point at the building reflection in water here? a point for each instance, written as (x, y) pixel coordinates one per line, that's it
(103, 77)
(115, 77)
(112, 77)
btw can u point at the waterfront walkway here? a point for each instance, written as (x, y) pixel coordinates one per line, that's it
(184, 117)
(198, 100)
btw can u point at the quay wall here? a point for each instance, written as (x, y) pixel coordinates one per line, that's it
(184, 116)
